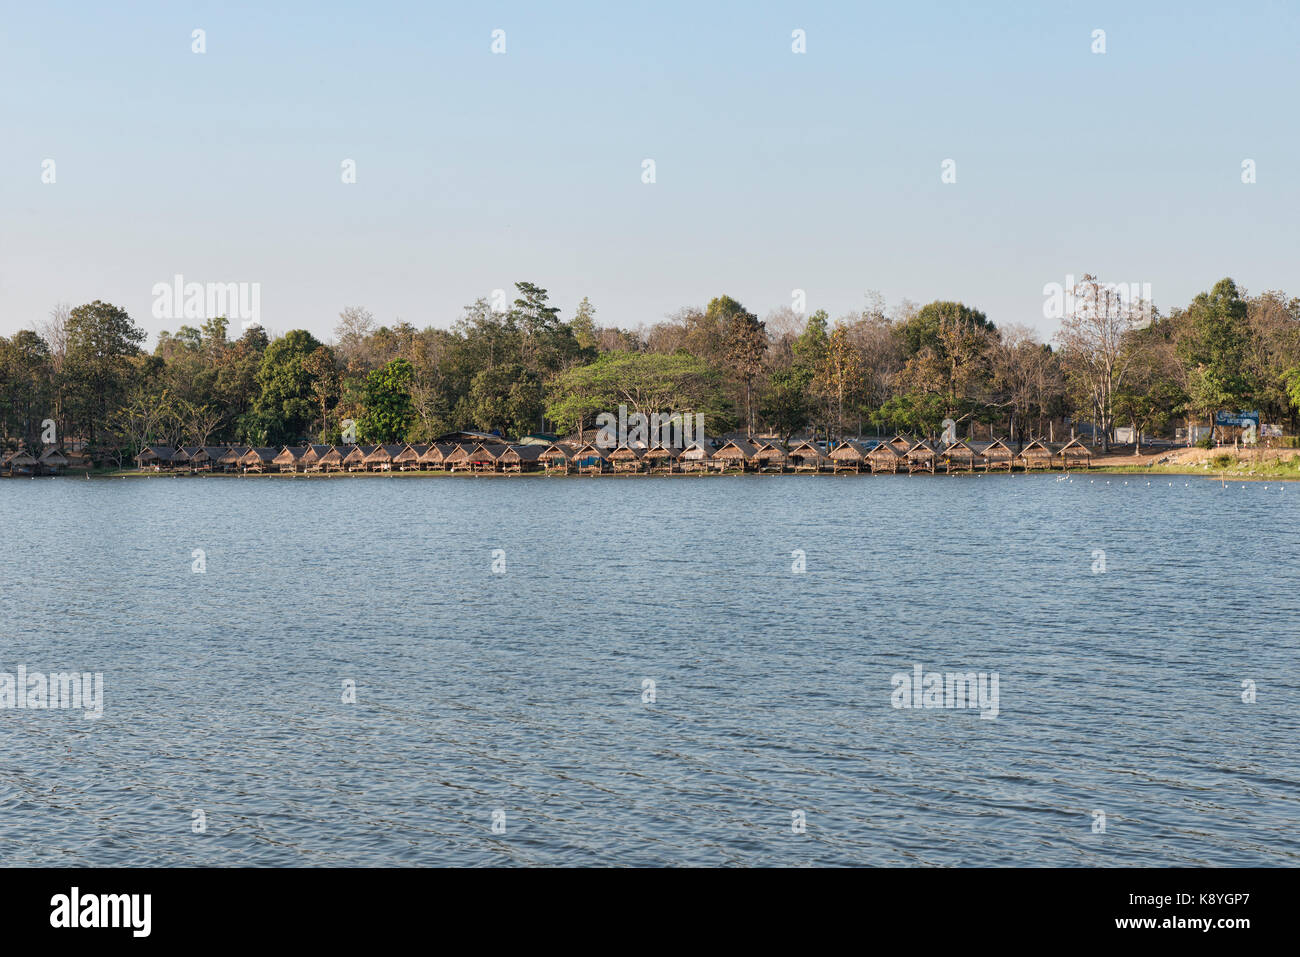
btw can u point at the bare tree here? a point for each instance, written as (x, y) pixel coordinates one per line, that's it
(1096, 345)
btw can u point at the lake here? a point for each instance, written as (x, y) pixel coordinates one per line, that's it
(568, 671)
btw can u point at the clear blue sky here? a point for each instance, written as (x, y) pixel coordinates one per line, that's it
(775, 171)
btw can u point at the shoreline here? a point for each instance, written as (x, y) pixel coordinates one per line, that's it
(1254, 475)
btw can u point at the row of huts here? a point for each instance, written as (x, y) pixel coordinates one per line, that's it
(900, 454)
(51, 460)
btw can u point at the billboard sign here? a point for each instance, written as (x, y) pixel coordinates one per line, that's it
(1238, 419)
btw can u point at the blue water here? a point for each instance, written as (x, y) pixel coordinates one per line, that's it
(477, 692)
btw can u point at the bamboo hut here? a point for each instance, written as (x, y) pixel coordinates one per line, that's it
(229, 460)
(408, 460)
(380, 458)
(258, 459)
(626, 459)
(435, 457)
(205, 459)
(1074, 452)
(431, 456)
(189, 453)
(770, 456)
(486, 457)
(921, 457)
(590, 459)
(1035, 455)
(19, 462)
(180, 457)
(902, 444)
(805, 456)
(354, 460)
(156, 457)
(290, 458)
(51, 460)
(735, 454)
(885, 457)
(521, 458)
(555, 458)
(661, 459)
(311, 458)
(457, 458)
(331, 460)
(959, 457)
(695, 457)
(998, 455)
(848, 456)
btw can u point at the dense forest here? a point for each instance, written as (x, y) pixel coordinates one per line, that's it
(526, 369)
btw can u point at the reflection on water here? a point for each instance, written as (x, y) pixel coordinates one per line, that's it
(523, 691)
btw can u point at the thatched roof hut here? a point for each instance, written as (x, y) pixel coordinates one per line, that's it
(1075, 452)
(848, 456)
(380, 457)
(331, 460)
(886, 457)
(156, 457)
(523, 457)
(19, 460)
(625, 458)
(998, 455)
(805, 456)
(695, 457)
(192, 452)
(457, 457)
(205, 458)
(409, 458)
(921, 457)
(1035, 455)
(770, 456)
(590, 459)
(258, 459)
(354, 458)
(290, 458)
(555, 457)
(311, 457)
(435, 455)
(486, 457)
(735, 453)
(231, 457)
(959, 457)
(902, 444)
(52, 459)
(661, 458)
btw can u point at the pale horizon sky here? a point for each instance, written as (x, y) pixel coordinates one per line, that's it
(775, 171)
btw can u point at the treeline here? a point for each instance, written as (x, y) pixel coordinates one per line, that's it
(526, 369)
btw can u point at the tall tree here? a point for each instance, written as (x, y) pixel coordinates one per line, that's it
(1097, 346)
(101, 342)
(284, 409)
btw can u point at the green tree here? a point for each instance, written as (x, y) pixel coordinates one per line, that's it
(102, 342)
(786, 407)
(745, 345)
(285, 408)
(1214, 347)
(389, 411)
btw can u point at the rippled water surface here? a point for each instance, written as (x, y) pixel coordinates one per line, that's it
(478, 692)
